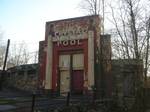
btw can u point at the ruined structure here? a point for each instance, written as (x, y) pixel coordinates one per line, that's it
(75, 58)
(23, 77)
(72, 59)
(125, 80)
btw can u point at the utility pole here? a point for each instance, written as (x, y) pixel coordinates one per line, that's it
(4, 66)
(6, 55)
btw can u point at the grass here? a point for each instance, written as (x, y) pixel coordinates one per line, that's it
(15, 100)
(4, 101)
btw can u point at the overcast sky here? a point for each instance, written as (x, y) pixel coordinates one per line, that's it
(25, 19)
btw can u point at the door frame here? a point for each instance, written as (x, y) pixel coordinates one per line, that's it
(71, 53)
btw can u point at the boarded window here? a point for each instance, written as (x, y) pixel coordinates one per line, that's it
(78, 61)
(64, 61)
(64, 81)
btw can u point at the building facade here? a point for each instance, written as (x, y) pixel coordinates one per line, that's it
(69, 56)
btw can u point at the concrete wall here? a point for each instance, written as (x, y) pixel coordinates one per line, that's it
(127, 75)
(24, 77)
(103, 77)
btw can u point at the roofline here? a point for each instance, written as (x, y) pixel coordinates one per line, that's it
(74, 18)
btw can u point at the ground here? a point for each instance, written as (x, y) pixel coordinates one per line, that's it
(19, 101)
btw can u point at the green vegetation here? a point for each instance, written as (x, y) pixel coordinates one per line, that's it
(4, 101)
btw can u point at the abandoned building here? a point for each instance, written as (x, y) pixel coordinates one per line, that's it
(75, 58)
(71, 57)
(23, 77)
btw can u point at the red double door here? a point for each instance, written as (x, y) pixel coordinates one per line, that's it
(71, 73)
(77, 81)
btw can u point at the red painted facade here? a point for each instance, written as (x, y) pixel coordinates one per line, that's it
(67, 50)
(74, 38)
(42, 63)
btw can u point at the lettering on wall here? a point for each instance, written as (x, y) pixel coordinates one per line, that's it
(68, 33)
(69, 42)
(67, 30)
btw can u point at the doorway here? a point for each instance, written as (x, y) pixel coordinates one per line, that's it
(71, 72)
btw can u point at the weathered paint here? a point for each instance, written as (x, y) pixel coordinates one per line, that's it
(77, 81)
(64, 81)
(72, 36)
(78, 61)
(57, 50)
(90, 60)
(48, 78)
(42, 64)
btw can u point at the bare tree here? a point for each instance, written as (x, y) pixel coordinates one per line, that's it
(91, 7)
(131, 34)
(19, 54)
(94, 7)
(131, 39)
(35, 56)
(2, 54)
(131, 23)
(130, 20)
(2, 48)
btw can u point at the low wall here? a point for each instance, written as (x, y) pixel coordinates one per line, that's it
(24, 77)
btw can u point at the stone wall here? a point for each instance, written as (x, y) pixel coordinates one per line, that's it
(24, 77)
(127, 75)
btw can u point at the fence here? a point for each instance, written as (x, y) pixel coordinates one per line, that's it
(42, 103)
